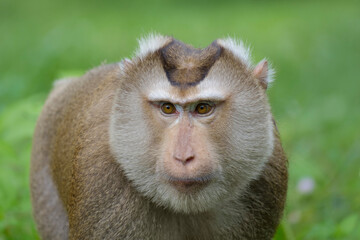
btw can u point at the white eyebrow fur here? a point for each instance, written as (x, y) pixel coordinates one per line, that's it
(208, 94)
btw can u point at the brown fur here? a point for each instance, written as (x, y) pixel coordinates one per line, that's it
(91, 195)
(187, 66)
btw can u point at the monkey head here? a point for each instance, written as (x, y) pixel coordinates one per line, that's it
(189, 126)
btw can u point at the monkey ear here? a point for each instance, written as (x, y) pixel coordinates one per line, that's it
(264, 73)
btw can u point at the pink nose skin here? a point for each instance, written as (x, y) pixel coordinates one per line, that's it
(184, 159)
(184, 151)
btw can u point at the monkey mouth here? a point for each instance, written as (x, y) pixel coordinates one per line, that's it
(190, 184)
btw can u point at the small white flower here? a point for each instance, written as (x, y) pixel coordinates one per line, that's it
(306, 185)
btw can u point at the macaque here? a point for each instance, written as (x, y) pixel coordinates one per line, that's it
(175, 143)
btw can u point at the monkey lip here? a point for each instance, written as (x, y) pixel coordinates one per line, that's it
(187, 184)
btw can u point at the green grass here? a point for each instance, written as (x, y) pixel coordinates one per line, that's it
(314, 47)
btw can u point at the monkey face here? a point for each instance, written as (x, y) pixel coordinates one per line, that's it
(190, 127)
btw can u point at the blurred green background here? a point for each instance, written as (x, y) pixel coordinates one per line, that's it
(313, 45)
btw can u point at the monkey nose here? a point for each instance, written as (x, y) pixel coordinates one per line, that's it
(184, 158)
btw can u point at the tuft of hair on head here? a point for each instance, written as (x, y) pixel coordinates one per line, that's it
(262, 71)
(150, 44)
(238, 48)
(153, 42)
(146, 45)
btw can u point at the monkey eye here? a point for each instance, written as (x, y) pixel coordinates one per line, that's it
(203, 108)
(168, 108)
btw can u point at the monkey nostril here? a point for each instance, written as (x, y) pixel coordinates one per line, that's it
(184, 160)
(189, 159)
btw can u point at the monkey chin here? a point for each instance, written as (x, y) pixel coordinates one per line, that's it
(190, 195)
